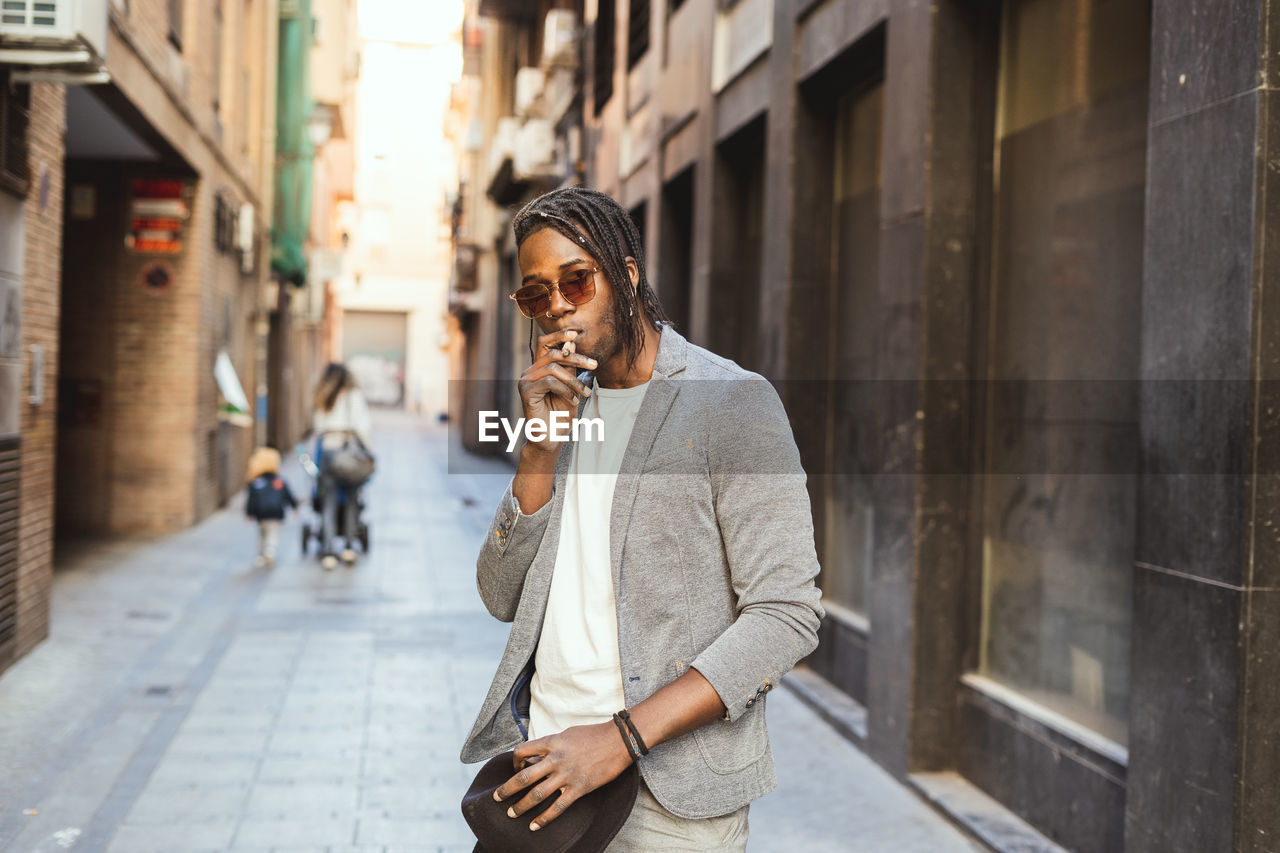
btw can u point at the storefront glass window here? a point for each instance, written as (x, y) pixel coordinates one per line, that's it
(854, 320)
(1058, 523)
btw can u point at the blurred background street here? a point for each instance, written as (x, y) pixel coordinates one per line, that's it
(1006, 262)
(187, 701)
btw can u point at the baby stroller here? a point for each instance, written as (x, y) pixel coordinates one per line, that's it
(313, 529)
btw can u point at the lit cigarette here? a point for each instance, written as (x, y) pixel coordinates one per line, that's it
(568, 348)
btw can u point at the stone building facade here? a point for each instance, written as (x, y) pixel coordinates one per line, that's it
(516, 126)
(1008, 263)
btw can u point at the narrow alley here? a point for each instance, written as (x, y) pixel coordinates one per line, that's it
(186, 701)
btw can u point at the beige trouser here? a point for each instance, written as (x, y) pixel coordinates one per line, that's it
(652, 828)
(268, 537)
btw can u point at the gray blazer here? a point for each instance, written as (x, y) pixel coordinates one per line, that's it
(713, 567)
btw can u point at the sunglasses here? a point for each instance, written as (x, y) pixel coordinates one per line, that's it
(577, 288)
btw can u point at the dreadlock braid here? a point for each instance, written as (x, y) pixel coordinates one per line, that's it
(599, 224)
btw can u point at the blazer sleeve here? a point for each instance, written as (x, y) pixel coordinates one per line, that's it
(509, 547)
(762, 508)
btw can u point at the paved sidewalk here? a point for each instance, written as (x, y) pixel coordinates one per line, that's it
(186, 701)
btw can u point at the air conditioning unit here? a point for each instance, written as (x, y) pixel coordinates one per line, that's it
(64, 33)
(503, 145)
(535, 158)
(529, 85)
(560, 38)
(558, 94)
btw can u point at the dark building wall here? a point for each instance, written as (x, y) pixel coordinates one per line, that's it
(1199, 767)
(1206, 759)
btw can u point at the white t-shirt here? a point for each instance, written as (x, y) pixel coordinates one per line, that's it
(578, 677)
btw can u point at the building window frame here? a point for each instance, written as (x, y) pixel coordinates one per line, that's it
(603, 60)
(638, 25)
(218, 41)
(176, 9)
(858, 71)
(15, 120)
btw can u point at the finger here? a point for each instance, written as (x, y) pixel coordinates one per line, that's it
(528, 752)
(564, 355)
(553, 340)
(544, 791)
(554, 385)
(575, 363)
(585, 362)
(567, 376)
(526, 777)
(554, 810)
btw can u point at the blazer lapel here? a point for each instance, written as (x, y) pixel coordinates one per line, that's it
(658, 398)
(538, 578)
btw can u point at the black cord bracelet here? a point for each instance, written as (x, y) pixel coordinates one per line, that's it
(626, 717)
(632, 748)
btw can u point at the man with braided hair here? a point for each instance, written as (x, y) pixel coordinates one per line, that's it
(659, 581)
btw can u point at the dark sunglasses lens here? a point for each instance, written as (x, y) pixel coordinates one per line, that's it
(577, 287)
(533, 300)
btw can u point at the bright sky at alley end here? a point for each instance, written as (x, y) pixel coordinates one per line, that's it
(418, 21)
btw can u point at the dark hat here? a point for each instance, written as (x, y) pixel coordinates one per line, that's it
(586, 827)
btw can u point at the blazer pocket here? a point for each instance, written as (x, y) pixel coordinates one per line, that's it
(730, 747)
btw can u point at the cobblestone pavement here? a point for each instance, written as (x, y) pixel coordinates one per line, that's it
(187, 701)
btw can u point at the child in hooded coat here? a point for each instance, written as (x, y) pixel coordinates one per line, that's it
(268, 499)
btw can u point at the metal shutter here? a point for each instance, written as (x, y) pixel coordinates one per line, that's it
(10, 465)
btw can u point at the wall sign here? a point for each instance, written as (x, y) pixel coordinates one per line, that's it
(84, 201)
(156, 277)
(158, 212)
(36, 398)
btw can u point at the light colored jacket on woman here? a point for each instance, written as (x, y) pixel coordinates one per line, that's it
(350, 413)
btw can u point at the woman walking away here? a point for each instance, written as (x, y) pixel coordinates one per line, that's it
(342, 426)
(268, 499)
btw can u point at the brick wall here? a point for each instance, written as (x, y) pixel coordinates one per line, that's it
(129, 459)
(40, 326)
(152, 454)
(226, 322)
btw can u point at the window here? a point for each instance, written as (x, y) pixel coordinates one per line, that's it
(225, 213)
(639, 215)
(675, 249)
(15, 114)
(1065, 316)
(175, 23)
(602, 70)
(215, 39)
(637, 32)
(737, 242)
(854, 319)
